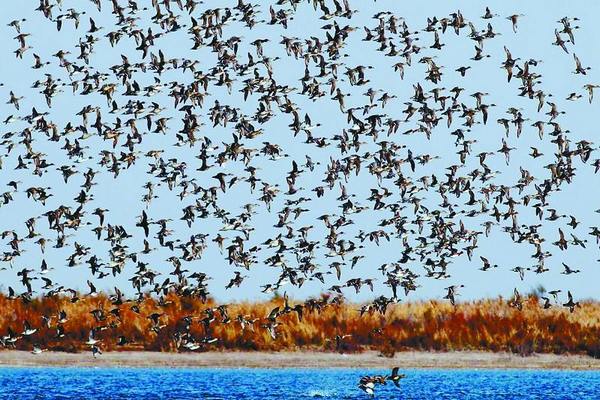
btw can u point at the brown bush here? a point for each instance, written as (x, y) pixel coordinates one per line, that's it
(428, 325)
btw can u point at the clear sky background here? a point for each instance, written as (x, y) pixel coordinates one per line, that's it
(122, 196)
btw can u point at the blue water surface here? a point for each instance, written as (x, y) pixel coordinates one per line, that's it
(175, 383)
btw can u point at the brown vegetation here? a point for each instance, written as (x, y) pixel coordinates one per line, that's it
(490, 325)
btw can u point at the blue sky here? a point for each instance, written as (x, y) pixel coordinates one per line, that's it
(122, 196)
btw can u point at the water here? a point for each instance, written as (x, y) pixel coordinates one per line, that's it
(164, 383)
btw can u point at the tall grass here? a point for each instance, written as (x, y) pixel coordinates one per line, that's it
(490, 325)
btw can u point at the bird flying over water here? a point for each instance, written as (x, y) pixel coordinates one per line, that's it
(310, 146)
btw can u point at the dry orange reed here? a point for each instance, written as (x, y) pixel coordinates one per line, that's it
(426, 325)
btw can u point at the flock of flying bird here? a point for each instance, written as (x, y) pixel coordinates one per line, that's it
(431, 213)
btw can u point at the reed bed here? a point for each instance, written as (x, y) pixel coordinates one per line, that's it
(488, 325)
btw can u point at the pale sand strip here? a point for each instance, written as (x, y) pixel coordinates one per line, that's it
(301, 359)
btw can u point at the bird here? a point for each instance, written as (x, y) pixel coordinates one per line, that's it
(570, 304)
(590, 89)
(96, 351)
(28, 330)
(38, 350)
(452, 293)
(368, 383)
(579, 69)
(395, 377)
(274, 160)
(547, 303)
(514, 19)
(516, 301)
(92, 341)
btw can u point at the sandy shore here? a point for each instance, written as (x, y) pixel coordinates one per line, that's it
(299, 360)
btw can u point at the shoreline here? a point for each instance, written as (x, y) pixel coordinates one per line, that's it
(301, 359)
